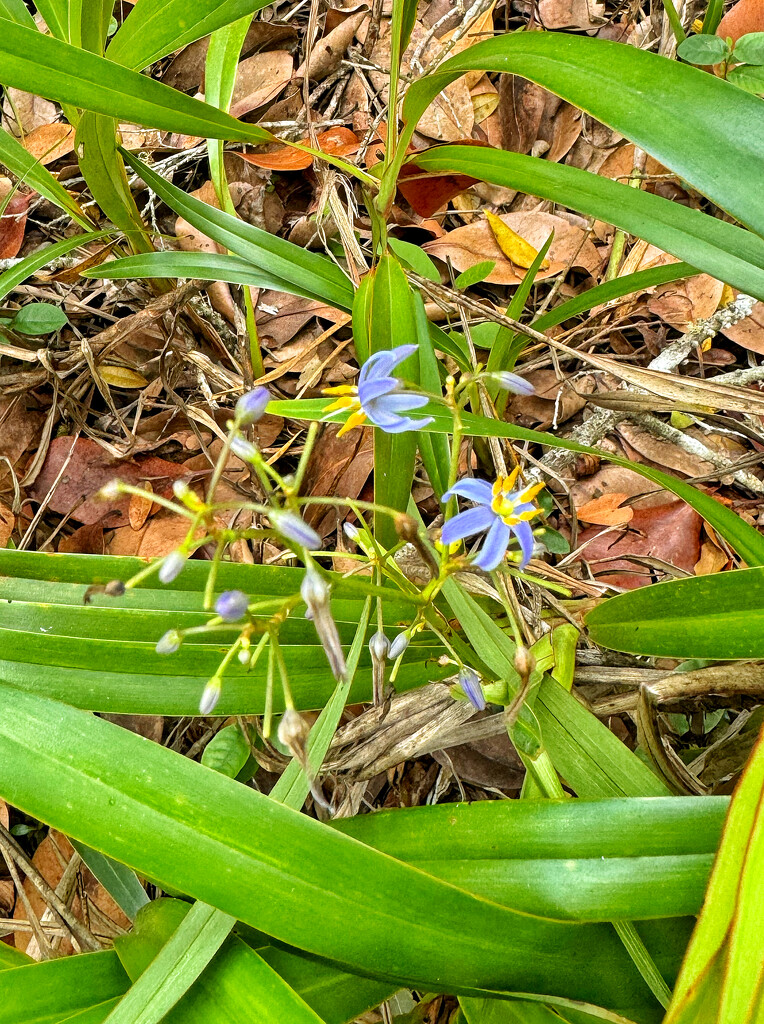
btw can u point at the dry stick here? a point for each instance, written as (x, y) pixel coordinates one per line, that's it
(603, 421)
(81, 934)
(64, 890)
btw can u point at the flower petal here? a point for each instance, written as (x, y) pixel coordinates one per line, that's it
(472, 489)
(524, 533)
(400, 402)
(376, 366)
(394, 424)
(467, 524)
(369, 390)
(495, 546)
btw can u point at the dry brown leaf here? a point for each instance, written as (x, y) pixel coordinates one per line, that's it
(661, 453)
(122, 377)
(259, 79)
(749, 333)
(606, 510)
(13, 219)
(20, 428)
(712, 559)
(50, 859)
(140, 508)
(480, 29)
(617, 478)
(680, 303)
(582, 15)
(553, 400)
(521, 108)
(336, 142)
(669, 532)
(87, 540)
(327, 54)
(24, 111)
(7, 523)
(49, 142)
(742, 18)
(159, 535)
(485, 99)
(339, 468)
(88, 469)
(475, 243)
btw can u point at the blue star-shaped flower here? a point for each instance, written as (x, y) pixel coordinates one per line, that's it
(379, 397)
(502, 512)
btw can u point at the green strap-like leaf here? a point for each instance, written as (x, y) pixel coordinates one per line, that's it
(155, 28)
(696, 124)
(296, 879)
(53, 990)
(718, 617)
(49, 67)
(13, 277)
(730, 253)
(31, 172)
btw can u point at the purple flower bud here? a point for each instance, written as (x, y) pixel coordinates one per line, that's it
(469, 681)
(244, 449)
(172, 566)
(398, 646)
(351, 531)
(170, 642)
(232, 605)
(210, 696)
(314, 591)
(294, 528)
(379, 646)
(250, 407)
(511, 382)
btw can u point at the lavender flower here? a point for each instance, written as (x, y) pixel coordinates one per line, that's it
(511, 382)
(251, 407)
(244, 449)
(210, 696)
(315, 593)
(379, 646)
(501, 511)
(232, 605)
(469, 681)
(294, 528)
(379, 397)
(398, 646)
(172, 566)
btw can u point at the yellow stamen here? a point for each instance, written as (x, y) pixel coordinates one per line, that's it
(530, 492)
(355, 420)
(340, 389)
(342, 403)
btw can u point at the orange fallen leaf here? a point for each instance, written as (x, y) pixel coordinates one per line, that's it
(336, 142)
(49, 142)
(140, 507)
(514, 246)
(605, 511)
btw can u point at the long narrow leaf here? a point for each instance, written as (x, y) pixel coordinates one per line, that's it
(27, 169)
(729, 253)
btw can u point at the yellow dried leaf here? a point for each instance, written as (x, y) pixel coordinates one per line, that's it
(514, 247)
(484, 105)
(122, 377)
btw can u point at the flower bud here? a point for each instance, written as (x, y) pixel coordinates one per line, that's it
(181, 490)
(111, 490)
(469, 681)
(524, 662)
(210, 696)
(244, 449)
(351, 531)
(314, 591)
(293, 730)
(511, 382)
(294, 528)
(232, 605)
(379, 646)
(251, 407)
(170, 642)
(398, 646)
(172, 566)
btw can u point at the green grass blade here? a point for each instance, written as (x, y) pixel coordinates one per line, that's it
(155, 28)
(718, 617)
(16, 10)
(120, 882)
(27, 169)
(54, 990)
(13, 277)
(55, 69)
(703, 118)
(729, 253)
(310, 887)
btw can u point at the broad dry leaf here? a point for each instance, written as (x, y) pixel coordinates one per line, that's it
(606, 510)
(712, 559)
(581, 15)
(49, 142)
(553, 402)
(744, 17)
(158, 536)
(25, 111)
(749, 333)
(485, 99)
(140, 507)
(513, 246)
(122, 377)
(259, 79)
(476, 243)
(336, 142)
(13, 219)
(7, 523)
(87, 470)
(327, 54)
(481, 28)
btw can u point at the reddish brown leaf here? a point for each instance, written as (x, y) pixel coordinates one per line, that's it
(259, 79)
(746, 16)
(88, 469)
(606, 511)
(13, 220)
(336, 142)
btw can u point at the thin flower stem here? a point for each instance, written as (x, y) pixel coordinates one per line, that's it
(310, 440)
(276, 648)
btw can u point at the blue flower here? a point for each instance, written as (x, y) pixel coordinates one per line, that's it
(251, 407)
(501, 511)
(232, 605)
(295, 529)
(379, 397)
(469, 681)
(172, 566)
